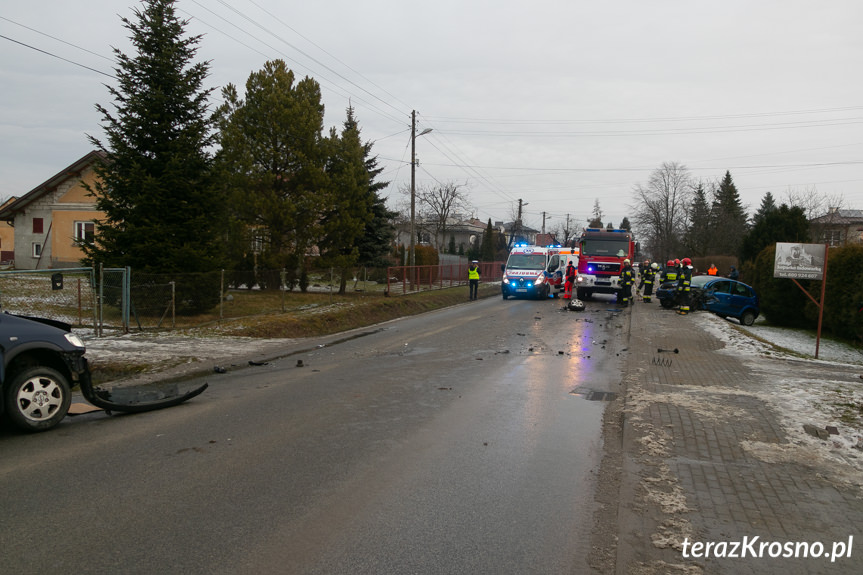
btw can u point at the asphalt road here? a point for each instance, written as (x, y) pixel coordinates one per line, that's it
(461, 441)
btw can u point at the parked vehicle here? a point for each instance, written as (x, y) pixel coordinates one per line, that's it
(600, 259)
(41, 360)
(722, 296)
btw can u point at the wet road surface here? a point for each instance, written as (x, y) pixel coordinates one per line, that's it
(462, 441)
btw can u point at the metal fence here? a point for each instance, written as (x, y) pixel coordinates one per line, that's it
(67, 295)
(406, 279)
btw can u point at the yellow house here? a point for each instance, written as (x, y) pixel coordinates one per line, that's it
(7, 237)
(50, 220)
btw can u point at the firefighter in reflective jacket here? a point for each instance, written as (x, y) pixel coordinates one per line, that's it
(647, 280)
(669, 274)
(683, 283)
(626, 280)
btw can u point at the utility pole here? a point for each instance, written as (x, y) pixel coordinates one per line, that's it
(413, 184)
(411, 260)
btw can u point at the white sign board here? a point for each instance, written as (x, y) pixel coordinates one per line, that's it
(799, 261)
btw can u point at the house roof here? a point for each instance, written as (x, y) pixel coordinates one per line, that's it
(840, 217)
(510, 226)
(8, 211)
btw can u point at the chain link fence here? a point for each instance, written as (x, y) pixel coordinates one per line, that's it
(67, 295)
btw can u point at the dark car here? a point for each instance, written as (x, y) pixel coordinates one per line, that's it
(41, 361)
(722, 296)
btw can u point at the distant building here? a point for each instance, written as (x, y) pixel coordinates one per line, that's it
(517, 232)
(7, 237)
(51, 220)
(838, 227)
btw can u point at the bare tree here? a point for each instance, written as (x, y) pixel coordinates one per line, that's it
(822, 211)
(814, 203)
(437, 204)
(661, 210)
(565, 232)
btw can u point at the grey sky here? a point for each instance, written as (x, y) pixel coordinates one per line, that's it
(559, 103)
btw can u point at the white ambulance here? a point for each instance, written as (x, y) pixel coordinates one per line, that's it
(536, 271)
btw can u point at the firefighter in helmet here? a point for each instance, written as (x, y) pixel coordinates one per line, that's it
(669, 274)
(626, 280)
(641, 273)
(683, 283)
(648, 279)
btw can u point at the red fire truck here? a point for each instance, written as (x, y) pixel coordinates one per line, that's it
(600, 260)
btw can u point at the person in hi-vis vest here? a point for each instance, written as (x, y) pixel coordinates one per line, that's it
(473, 279)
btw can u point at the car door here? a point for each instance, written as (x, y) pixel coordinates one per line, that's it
(718, 298)
(742, 297)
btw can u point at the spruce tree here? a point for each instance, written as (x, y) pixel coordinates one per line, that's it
(782, 224)
(729, 218)
(625, 225)
(768, 204)
(488, 246)
(162, 213)
(349, 207)
(699, 235)
(379, 234)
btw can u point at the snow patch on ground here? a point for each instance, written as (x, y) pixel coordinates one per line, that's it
(163, 354)
(823, 393)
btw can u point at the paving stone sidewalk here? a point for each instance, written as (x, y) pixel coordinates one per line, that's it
(706, 460)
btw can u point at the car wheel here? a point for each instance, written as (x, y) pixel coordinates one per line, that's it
(38, 398)
(666, 303)
(504, 296)
(748, 318)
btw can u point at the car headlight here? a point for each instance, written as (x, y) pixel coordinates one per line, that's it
(73, 339)
(505, 280)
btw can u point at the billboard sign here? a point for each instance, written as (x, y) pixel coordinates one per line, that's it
(799, 261)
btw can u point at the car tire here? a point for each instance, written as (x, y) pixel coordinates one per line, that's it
(748, 318)
(37, 399)
(666, 303)
(504, 294)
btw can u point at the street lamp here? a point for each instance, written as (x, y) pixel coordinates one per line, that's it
(411, 260)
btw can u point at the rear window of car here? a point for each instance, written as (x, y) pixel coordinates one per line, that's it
(742, 290)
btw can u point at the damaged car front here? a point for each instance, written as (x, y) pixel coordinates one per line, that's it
(42, 360)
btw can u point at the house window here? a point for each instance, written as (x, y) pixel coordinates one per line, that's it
(257, 244)
(37, 250)
(37, 225)
(84, 232)
(833, 237)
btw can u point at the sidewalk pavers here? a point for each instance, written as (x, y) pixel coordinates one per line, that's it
(706, 463)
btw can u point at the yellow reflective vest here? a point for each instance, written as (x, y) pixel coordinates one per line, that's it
(473, 273)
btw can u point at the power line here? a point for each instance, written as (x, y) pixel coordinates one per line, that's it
(637, 169)
(280, 21)
(663, 131)
(307, 55)
(57, 39)
(58, 57)
(503, 121)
